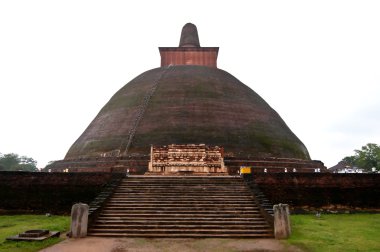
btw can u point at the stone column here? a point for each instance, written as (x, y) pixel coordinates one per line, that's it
(282, 228)
(79, 220)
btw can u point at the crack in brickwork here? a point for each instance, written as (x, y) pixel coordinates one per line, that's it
(142, 109)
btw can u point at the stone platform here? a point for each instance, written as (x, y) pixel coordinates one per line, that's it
(34, 235)
(139, 165)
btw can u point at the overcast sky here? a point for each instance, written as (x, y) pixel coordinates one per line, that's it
(317, 63)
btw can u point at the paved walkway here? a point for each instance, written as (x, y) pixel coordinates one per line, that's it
(93, 244)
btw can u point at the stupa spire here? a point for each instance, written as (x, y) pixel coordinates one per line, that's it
(189, 36)
(189, 51)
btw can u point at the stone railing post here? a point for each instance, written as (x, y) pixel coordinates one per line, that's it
(282, 228)
(79, 220)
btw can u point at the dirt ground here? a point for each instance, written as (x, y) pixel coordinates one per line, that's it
(94, 244)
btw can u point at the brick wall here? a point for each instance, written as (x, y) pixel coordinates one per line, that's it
(135, 165)
(321, 190)
(42, 192)
(57, 192)
(201, 56)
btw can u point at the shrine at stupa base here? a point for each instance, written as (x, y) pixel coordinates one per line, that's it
(186, 159)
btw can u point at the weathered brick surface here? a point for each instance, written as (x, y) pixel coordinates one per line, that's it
(191, 104)
(49, 192)
(57, 192)
(205, 56)
(135, 165)
(194, 158)
(321, 190)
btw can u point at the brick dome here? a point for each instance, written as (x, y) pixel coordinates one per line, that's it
(187, 104)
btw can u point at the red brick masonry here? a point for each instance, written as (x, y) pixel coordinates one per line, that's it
(42, 192)
(56, 192)
(321, 190)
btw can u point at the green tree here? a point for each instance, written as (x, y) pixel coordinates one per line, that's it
(350, 160)
(366, 158)
(13, 162)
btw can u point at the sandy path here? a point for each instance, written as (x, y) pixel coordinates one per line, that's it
(93, 244)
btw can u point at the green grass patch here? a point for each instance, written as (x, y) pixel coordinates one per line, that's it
(336, 232)
(340, 232)
(11, 225)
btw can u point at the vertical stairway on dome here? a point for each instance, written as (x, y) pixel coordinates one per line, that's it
(183, 207)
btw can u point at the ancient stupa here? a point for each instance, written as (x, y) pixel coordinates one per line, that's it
(187, 100)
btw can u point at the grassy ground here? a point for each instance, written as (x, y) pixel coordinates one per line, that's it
(11, 225)
(343, 232)
(336, 232)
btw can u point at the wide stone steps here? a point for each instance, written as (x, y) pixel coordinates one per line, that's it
(187, 221)
(211, 197)
(184, 184)
(181, 209)
(185, 190)
(183, 215)
(201, 193)
(198, 230)
(183, 212)
(194, 210)
(181, 226)
(219, 186)
(217, 204)
(194, 235)
(108, 217)
(181, 206)
(178, 183)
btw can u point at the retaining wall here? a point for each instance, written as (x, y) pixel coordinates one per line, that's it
(329, 191)
(42, 192)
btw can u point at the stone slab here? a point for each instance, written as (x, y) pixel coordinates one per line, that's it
(79, 220)
(282, 229)
(40, 238)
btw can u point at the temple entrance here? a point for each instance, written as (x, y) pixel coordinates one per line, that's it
(187, 159)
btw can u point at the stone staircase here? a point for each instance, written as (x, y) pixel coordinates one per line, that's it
(181, 206)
